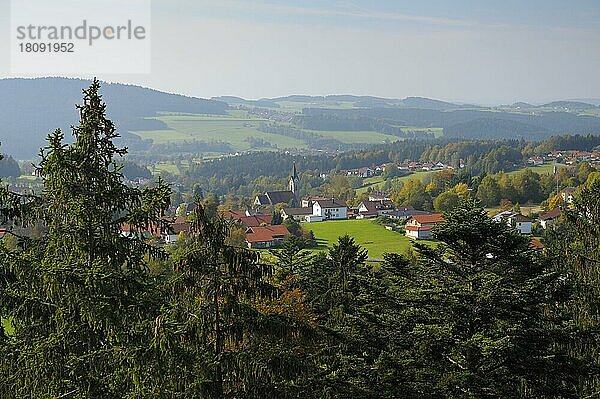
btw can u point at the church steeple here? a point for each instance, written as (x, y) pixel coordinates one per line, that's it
(294, 184)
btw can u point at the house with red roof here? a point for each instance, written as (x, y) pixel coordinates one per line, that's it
(419, 226)
(266, 236)
(178, 226)
(255, 220)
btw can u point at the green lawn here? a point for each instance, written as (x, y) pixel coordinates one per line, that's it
(421, 175)
(373, 237)
(168, 167)
(544, 169)
(376, 182)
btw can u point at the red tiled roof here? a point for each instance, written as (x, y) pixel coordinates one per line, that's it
(536, 244)
(266, 233)
(234, 214)
(2, 233)
(427, 219)
(255, 220)
(298, 211)
(181, 227)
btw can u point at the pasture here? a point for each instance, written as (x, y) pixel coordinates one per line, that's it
(370, 235)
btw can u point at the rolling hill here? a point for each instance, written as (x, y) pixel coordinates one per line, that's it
(169, 124)
(31, 108)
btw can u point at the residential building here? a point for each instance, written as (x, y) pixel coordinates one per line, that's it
(404, 213)
(419, 226)
(516, 220)
(330, 209)
(298, 214)
(567, 194)
(372, 209)
(255, 220)
(179, 226)
(379, 196)
(266, 236)
(550, 217)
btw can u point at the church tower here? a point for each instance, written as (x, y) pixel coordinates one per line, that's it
(294, 185)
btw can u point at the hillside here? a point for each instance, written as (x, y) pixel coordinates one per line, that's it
(31, 108)
(164, 124)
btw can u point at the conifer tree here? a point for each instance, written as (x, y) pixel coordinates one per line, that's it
(221, 320)
(483, 329)
(79, 296)
(574, 248)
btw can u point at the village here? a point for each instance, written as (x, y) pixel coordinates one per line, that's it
(264, 225)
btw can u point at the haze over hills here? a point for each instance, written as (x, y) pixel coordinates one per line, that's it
(167, 123)
(32, 108)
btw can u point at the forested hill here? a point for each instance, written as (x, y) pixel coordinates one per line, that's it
(31, 108)
(465, 123)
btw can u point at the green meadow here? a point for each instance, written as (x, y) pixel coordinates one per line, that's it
(370, 235)
(238, 126)
(228, 128)
(376, 182)
(544, 169)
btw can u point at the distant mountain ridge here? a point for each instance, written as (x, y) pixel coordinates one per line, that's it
(32, 108)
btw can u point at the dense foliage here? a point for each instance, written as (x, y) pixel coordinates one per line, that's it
(87, 312)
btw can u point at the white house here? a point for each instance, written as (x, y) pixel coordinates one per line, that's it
(298, 214)
(521, 223)
(516, 220)
(419, 226)
(567, 194)
(330, 209)
(371, 209)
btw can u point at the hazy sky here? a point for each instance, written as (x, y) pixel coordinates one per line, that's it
(467, 50)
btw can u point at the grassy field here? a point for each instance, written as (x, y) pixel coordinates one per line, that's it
(167, 167)
(422, 175)
(376, 182)
(230, 128)
(237, 126)
(371, 236)
(544, 169)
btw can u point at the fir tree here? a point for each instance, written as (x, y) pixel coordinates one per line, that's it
(79, 296)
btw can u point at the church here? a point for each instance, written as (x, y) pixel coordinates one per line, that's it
(290, 197)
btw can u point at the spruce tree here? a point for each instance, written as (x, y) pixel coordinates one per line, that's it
(223, 323)
(482, 328)
(79, 296)
(573, 246)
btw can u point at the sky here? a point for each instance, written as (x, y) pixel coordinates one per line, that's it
(478, 51)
